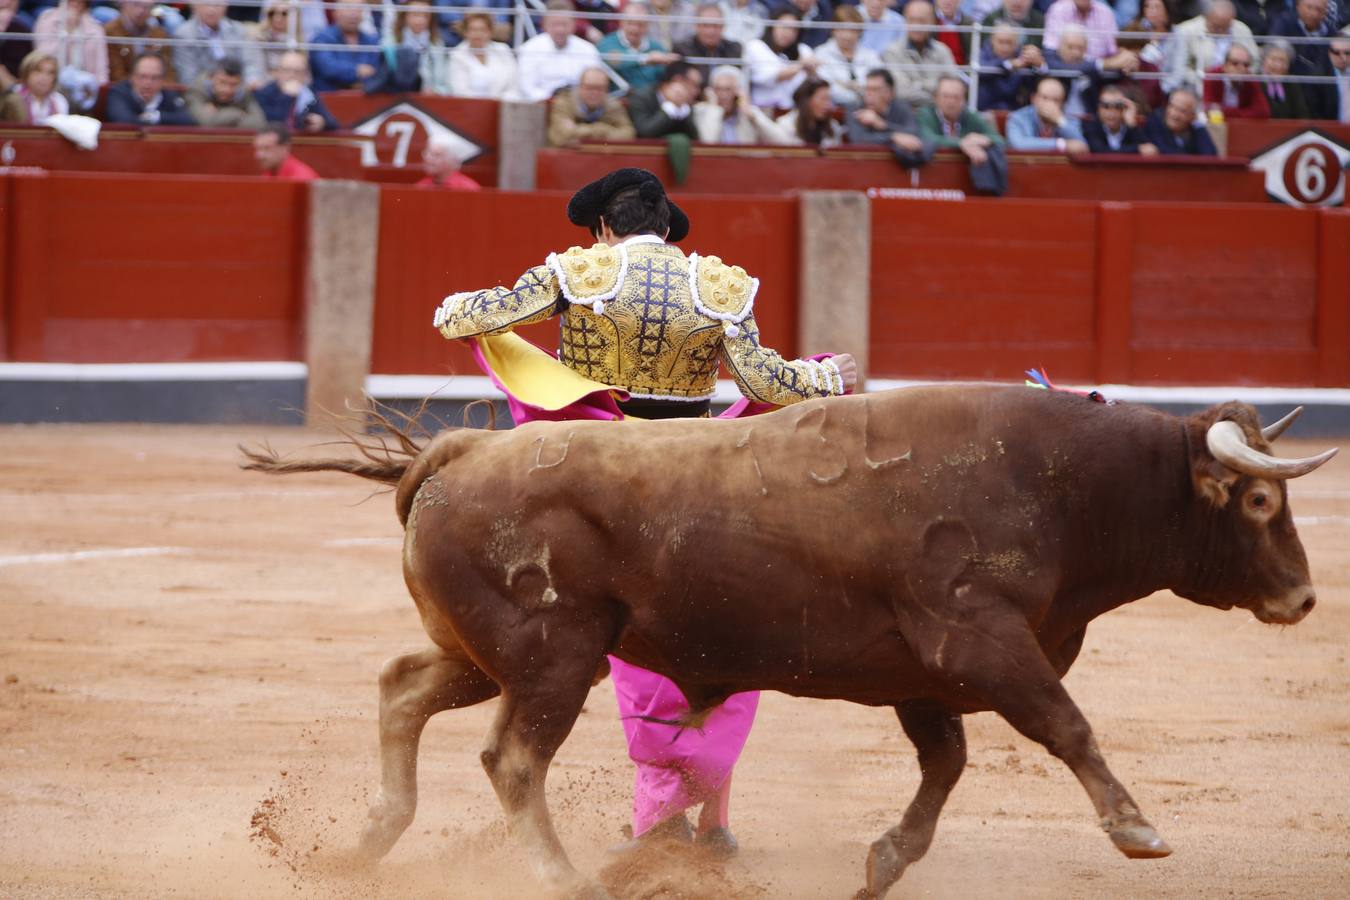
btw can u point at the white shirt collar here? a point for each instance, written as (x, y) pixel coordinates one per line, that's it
(642, 239)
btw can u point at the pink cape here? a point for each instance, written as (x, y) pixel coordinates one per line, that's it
(676, 768)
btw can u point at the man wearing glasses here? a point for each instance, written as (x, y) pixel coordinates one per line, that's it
(1115, 129)
(1340, 67)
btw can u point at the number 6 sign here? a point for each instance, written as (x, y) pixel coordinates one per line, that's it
(1307, 169)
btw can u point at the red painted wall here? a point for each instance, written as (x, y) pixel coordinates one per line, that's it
(435, 243)
(104, 268)
(1145, 293)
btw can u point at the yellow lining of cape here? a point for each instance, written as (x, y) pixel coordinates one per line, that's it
(533, 376)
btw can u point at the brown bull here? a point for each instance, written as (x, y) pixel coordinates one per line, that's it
(938, 550)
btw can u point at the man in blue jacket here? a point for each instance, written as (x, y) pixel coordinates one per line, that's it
(288, 98)
(142, 99)
(1173, 129)
(1043, 125)
(338, 70)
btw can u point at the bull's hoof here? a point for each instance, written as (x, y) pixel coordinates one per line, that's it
(380, 835)
(1139, 841)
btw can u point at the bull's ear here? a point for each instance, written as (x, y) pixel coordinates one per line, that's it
(1213, 480)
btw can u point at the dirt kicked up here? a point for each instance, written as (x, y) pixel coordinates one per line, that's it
(187, 708)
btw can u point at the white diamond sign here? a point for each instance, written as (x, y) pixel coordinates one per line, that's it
(408, 127)
(1307, 169)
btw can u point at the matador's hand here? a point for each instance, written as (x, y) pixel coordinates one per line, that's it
(848, 369)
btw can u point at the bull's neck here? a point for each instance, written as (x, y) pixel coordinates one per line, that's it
(1130, 538)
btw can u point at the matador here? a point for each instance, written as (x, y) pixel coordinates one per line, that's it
(642, 319)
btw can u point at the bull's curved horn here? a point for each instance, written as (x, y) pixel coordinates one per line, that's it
(1275, 429)
(1229, 446)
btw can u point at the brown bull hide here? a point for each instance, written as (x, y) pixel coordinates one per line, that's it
(938, 550)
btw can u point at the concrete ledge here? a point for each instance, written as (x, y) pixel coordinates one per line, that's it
(226, 393)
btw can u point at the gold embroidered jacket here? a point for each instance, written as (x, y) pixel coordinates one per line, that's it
(645, 318)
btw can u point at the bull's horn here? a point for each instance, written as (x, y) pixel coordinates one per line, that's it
(1229, 446)
(1275, 429)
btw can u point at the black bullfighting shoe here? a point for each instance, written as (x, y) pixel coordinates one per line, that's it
(718, 842)
(675, 830)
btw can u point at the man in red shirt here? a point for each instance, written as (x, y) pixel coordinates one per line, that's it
(441, 164)
(272, 150)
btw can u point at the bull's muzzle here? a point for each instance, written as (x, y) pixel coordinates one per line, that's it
(1289, 609)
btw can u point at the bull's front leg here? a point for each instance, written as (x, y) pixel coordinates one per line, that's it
(1001, 666)
(940, 739)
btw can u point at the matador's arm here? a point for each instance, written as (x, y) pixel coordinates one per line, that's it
(535, 297)
(763, 375)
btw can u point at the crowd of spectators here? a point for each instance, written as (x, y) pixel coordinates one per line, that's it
(1131, 76)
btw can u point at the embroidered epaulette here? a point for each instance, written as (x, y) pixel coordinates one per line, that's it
(722, 292)
(589, 277)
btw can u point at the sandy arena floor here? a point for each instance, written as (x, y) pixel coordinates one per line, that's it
(151, 704)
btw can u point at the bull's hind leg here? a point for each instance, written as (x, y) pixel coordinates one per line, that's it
(413, 688)
(940, 739)
(1003, 667)
(536, 715)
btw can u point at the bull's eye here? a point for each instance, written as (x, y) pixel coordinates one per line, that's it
(1258, 500)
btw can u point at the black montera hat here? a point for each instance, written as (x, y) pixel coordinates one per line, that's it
(588, 204)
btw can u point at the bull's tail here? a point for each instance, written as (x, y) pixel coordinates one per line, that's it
(385, 455)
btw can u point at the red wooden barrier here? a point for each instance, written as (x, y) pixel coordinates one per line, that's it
(1248, 137)
(780, 170)
(434, 243)
(983, 289)
(172, 151)
(153, 269)
(1145, 294)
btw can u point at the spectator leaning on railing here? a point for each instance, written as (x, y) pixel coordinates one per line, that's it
(35, 97)
(1043, 125)
(480, 66)
(588, 113)
(632, 53)
(1285, 99)
(1007, 70)
(289, 100)
(143, 100)
(667, 107)
(949, 124)
(274, 27)
(843, 62)
(1173, 128)
(887, 121)
(728, 117)
(1116, 128)
(143, 34)
(343, 69)
(225, 102)
(13, 48)
(919, 61)
(209, 37)
(1150, 38)
(709, 39)
(1233, 98)
(554, 58)
(778, 63)
(1020, 14)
